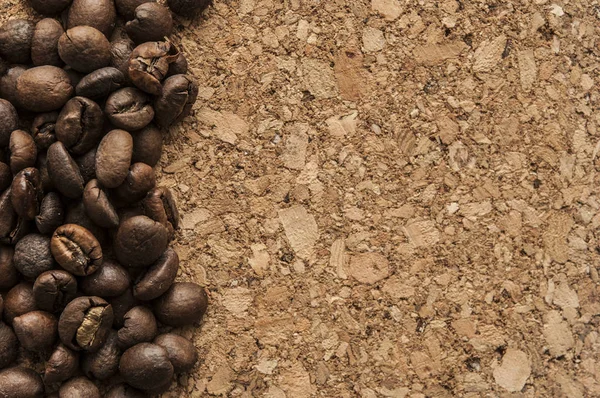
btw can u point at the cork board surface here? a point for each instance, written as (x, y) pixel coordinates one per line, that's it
(391, 198)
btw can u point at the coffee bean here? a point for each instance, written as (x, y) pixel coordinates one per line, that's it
(129, 109)
(160, 206)
(183, 304)
(36, 330)
(120, 51)
(151, 22)
(147, 145)
(99, 14)
(9, 276)
(43, 129)
(139, 181)
(85, 323)
(43, 88)
(113, 158)
(20, 382)
(110, 280)
(8, 91)
(179, 94)
(9, 345)
(124, 391)
(121, 304)
(179, 66)
(64, 172)
(149, 64)
(9, 120)
(6, 176)
(146, 366)
(139, 325)
(79, 387)
(158, 278)
(26, 193)
(87, 165)
(54, 289)
(44, 44)
(84, 49)
(100, 83)
(181, 351)
(32, 256)
(103, 363)
(15, 41)
(76, 215)
(51, 215)
(22, 151)
(188, 7)
(49, 7)
(8, 218)
(79, 125)
(140, 241)
(18, 301)
(98, 207)
(62, 365)
(76, 249)
(126, 8)
(42, 166)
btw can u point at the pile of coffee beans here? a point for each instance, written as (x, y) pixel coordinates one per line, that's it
(88, 298)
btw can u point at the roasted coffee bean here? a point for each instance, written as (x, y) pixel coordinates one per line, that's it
(43, 129)
(121, 304)
(99, 14)
(76, 215)
(158, 278)
(20, 382)
(36, 330)
(160, 206)
(76, 249)
(100, 83)
(18, 301)
(146, 366)
(64, 172)
(84, 49)
(98, 207)
(9, 276)
(62, 365)
(79, 387)
(87, 165)
(103, 363)
(85, 323)
(22, 151)
(9, 346)
(44, 45)
(44, 88)
(140, 241)
(15, 41)
(126, 8)
(79, 125)
(139, 181)
(139, 326)
(181, 351)
(147, 145)
(183, 304)
(178, 96)
(110, 280)
(151, 22)
(9, 120)
(6, 176)
(123, 390)
(49, 7)
(51, 215)
(113, 158)
(129, 109)
(54, 289)
(8, 91)
(42, 166)
(9, 219)
(179, 66)
(149, 64)
(120, 51)
(188, 7)
(26, 193)
(32, 256)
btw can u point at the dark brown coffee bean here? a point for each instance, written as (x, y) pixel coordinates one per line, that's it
(110, 280)
(9, 219)
(139, 181)
(124, 391)
(126, 8)
(188, 7)
(20, 382)
(43, 88)
(100, 83)
(42, 129)
(149, 64)
(42, 166)
(140, 241)
(8, 91)
(179, 66)
(139, 326)
(87, 165)
(120, 51)
(76, 249)
(79, 125)
(76, 215)
(54, 289)
(44, 44)
(62, 365)
(84, 49)
(85, 323)
(147, 145)
(103, 363)
(129, 109)
(121, 304)
(98, 207)
(9, 345)
(64, 172)
(18, 301)
(113, 158)
(183, 304)
(79, 387)
(36, 330)
(51, 215)
(49, 7)
(22, 151)
(146, 366)
(6, 176)
(9, 121)
(26, 193)
(32, 256)
(160, 206)
(15, 41)
(9, 276)
(181, 351)
(151, 22)
(99, 14)
(158, 278)
(179, 94)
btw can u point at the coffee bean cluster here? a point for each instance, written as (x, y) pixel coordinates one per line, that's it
(88, 297)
